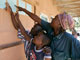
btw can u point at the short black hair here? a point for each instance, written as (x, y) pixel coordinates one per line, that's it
(45, 39)
(34, 33)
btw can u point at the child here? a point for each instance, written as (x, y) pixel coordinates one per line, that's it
(34, 31)
(36, 44)
(38, 40)
(36, 51)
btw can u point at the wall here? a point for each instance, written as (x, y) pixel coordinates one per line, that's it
(45, 6)
(8, 34)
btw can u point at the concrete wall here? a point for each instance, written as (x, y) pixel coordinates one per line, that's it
(8, 34)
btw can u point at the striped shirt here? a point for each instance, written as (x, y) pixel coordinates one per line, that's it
(30, 49)
(26, 42)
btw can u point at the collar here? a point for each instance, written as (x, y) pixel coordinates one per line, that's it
(40, 50)
(60, 35)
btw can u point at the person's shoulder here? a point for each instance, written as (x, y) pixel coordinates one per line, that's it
(45, 25)
(69, 36)
(44, 22)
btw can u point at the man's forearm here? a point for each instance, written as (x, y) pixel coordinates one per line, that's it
(33, 16)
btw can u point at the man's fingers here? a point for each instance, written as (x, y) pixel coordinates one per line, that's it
(19, 8)
(16, 6)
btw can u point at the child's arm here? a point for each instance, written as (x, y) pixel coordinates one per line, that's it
(26, 35)
(15, 24)
(33, 16)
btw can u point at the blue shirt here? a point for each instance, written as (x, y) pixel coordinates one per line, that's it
(64, 46)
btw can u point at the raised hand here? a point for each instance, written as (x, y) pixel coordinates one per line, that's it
(8, 8)
(19, 8)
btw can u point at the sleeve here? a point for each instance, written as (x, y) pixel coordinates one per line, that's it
(75, 49)
(19, 34)
(45, 25)
(48, 55)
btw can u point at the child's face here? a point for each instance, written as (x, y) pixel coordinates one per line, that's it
(38, 39)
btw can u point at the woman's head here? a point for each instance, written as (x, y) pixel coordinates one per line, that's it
(55, 22)
(63, 21)
(66, 21)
